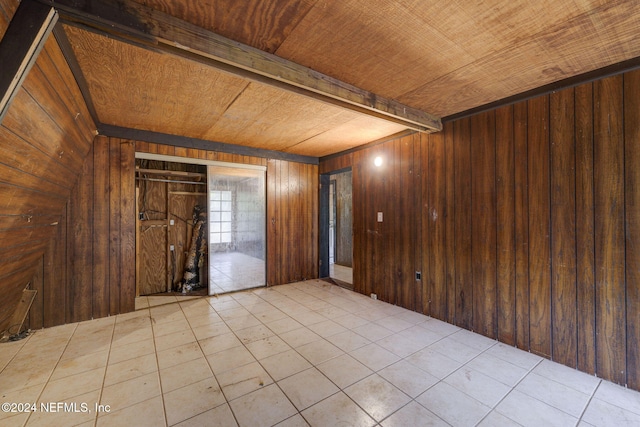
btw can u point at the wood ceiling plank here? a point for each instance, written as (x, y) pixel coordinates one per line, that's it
(358, 131)
(385, 49)
(263, 25)
(265, 117)
(555, 54)
(158, 92)
(125, 18)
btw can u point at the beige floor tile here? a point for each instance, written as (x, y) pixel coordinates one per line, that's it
(131, 351)
(319, 351)
(477, 385)
(267, 347)
(344, 370)
(413, 414)
(498, 369)
(127, 393)
(232, 358)
(400, 345)
(132, 336)
(348, 341)
(510, 354)
(530, 412)
(203, 319)
(374, 357)
(149, 413)
(433, 362)
(15, 419)
(130, 369)
(307, 388)
(327, 328)
(284, 364)
(73, 385)
(337, 410)
(372, 331)
(218, 343)
(452, 405)
(174, 340)
(242, 322)
(452, 374)
(601, 413)
(554, 394)
(66, 412)
(264, 407)
(243, 380)
(194, 399)
(220, 416)
(351, 321)
(166, 314)
(408, 378)
(268, 314)
(29, 394)
(378, 397)
(571, 378)
(300, 337)
(210, 330)
(171, 327)
(184, 374)
(80, 364)
(619, 396)
(455, 350)
(253, 333)
(283, 325)
(178, 355)
(495, 419)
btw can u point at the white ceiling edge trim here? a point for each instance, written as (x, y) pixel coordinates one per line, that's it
(192, 161)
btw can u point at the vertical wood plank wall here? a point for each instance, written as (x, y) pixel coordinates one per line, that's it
(89, 267)
(524, 222)
(44, 139)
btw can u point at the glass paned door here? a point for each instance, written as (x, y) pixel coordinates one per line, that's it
(237, 228)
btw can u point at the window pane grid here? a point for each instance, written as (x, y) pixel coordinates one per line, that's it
(221, 209)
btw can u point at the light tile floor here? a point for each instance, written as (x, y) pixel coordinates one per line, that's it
(308, 353)
(236, 271)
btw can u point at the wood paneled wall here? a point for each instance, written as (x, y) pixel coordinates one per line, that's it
(524, 222)
(44, 139)
(88, 270)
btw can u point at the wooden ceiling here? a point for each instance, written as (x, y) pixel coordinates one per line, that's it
(441, 57)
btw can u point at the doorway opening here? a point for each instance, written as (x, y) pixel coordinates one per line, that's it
(201, 226)
(237, 228)
(336, 226)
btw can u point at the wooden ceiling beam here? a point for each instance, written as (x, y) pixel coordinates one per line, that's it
(128, 20)
(19, 48)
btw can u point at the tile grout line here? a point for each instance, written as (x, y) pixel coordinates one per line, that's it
(593, 396)
(52, 370)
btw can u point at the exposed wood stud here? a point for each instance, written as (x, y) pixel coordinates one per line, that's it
(20, 46)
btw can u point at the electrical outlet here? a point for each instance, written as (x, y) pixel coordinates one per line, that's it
(374, 296)
(172, 248)
(418, 275)
(379, 216)
(140, 216)
(171, 222)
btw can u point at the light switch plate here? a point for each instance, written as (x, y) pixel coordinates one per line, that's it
(379, 216)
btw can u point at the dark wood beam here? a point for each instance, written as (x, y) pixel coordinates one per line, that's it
(200, 144)
(142, 25)
(19, 48)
